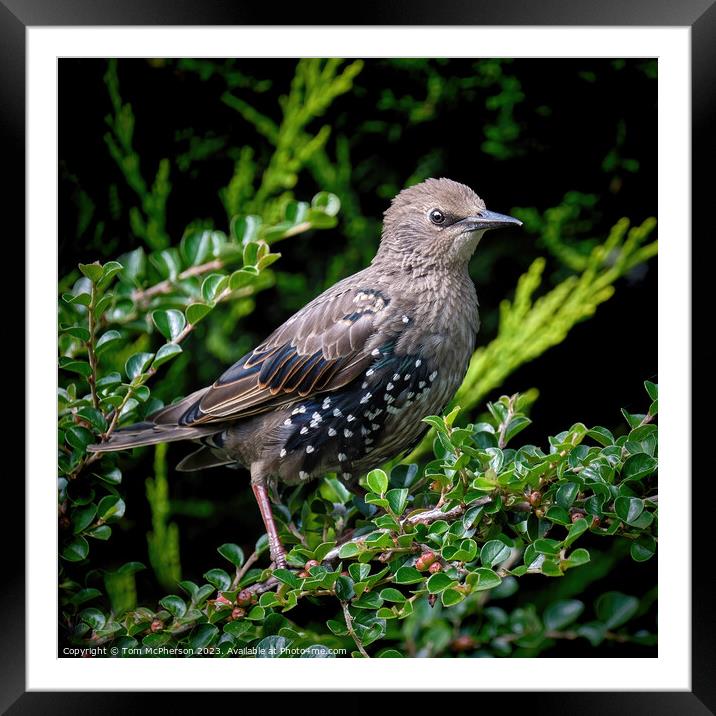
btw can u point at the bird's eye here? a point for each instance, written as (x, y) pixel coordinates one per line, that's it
(436, 216)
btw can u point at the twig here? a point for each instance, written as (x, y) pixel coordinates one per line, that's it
(349, 625)
(91, 355)
(426, 517)
(241, 571)
(143, 295)
(502, 440)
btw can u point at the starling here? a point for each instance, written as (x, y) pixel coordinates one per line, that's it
(342, 386)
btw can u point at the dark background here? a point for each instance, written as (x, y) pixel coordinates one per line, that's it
(573, 114)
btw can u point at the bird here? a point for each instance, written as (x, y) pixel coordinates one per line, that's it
(343, 385)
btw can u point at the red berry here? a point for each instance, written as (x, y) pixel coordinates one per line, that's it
(435, 567)
(425, 560)
(237, 613)
(157, 625)
(244, 598)
(535, 498)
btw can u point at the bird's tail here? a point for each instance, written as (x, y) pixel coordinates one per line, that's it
(160, 427)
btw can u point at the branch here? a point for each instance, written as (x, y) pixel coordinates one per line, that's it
(502, 439)
(425, 517)
(143, 295)
(349, 625)
(91, 354)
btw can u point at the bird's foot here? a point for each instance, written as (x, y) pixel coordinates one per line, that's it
(278, 558)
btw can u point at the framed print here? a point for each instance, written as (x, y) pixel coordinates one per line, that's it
(398, 276)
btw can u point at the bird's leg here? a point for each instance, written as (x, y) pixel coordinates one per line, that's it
(276, 548)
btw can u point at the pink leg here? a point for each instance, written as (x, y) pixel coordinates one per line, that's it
(278, 553)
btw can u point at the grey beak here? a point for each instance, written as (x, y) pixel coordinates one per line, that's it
(488, 220)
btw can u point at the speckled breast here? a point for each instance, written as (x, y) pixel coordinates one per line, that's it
(371, 420)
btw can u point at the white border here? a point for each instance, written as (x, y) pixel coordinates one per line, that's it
(671, 670)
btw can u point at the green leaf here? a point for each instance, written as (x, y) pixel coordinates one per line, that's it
(130, 568)
(76, 366)
(643, 548)
(438, 582)
(103, 532)
(110, 380)
(562, 613)
(106, 340)
(344, 588)
(78, 332)
(547, 546)
(377, 481)
(558, 514)
(137, 364)
(615, 609)
(78, 437)
(368, 600)
(269, 599)
(233, 553)
(390, 594)
(111, 508)
(594, 632)
(170, 323)
(628, 509)
(577, 558)
(92, 271)
(82, 517)
(566, 494)
(601, 435)
(577, 528)
(408, 575)
(451, 596)
(397, 499)
(287, 577)
(203, 636)
(652, 389)
(93, 617)
(109, 271)
(112, 476)
(245, 228)
(326, 202)
(76, 550)
(94, 417)
(85, 595)
(493, 552)
(195, 247)
(166, 353)
(349, 549)
(516, 425)
(174, 605)
(638, 466)
(196, 311)
(213, 285)
(243, 277)
(358, 572)
(483, 578)
(219, 578)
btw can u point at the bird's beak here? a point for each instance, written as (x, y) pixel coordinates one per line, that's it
(487, 220)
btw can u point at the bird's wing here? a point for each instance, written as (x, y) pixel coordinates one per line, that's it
(321, 348)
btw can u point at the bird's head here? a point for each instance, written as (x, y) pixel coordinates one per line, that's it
(438, 222)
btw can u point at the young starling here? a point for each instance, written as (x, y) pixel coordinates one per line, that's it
(342, 386)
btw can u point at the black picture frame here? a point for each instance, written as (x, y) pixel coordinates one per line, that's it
(699, 15)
